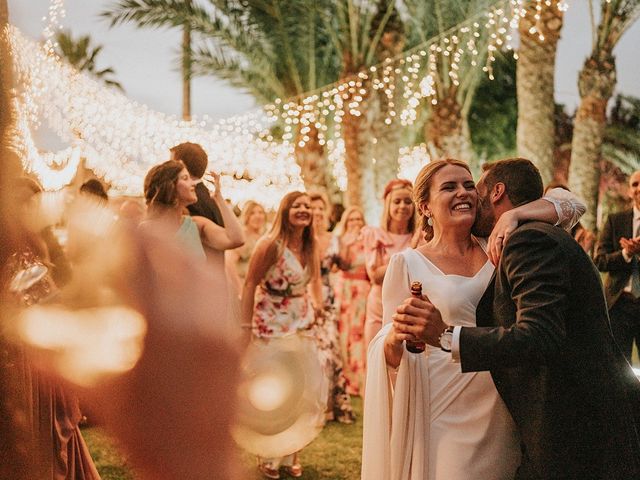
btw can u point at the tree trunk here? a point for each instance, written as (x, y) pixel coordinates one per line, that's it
(186, 71)
(4, 13)
(446, 130)
(311, 159)
(351, 133)
(596, 84)
(535, 86)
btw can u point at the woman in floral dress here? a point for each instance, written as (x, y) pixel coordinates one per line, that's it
(353, 288)
(339, 405)
(284, 264)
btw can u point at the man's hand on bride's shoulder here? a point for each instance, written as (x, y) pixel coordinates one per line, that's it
(505, 225)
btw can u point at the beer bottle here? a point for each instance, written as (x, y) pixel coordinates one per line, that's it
(416, 347)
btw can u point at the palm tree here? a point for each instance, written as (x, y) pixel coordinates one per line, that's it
(4, 13)
(539, 35)
(621, 144)
(360, 33)
(596, 83)
(154, 14)
(81, 55)
(274, 50)
(454, 83)
(278, 49)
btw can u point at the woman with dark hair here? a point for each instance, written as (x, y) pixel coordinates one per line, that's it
(285, 271)
(168, 190)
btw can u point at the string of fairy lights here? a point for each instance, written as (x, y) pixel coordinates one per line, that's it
(121, 139)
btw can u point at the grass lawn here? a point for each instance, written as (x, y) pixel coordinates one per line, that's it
(334, 455)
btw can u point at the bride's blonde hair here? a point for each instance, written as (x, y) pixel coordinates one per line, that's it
(422, 189)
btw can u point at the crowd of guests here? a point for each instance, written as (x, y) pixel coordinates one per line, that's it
(300, 271)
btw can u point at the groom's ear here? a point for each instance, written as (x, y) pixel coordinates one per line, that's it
(498, 192)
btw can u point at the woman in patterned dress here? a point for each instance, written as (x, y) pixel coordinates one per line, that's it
(276, 298)
(339, 405)
(352, 289)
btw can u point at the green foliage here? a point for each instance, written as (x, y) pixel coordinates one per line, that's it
(81, 55)
(621, 144)
(109, 461)
(494, 112)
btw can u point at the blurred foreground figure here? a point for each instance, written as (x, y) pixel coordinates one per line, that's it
(172, 413)
(135, 333)
(48, 411)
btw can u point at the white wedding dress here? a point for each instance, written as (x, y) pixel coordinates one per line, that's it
(430, 421)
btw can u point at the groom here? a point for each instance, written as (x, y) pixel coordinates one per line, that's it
(543, 333)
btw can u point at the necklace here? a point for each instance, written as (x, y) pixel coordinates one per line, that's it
(296, 249)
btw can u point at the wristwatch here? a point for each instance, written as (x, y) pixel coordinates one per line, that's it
(446, 339)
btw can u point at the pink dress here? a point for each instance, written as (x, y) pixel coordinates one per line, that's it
(352, 294)
(388, 243)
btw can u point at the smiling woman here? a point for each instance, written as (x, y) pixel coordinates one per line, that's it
(395, 233)
(434, 407)
(285, 262)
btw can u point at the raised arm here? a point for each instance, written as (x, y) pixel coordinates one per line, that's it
(233, 231)
(558, 207)
(264, 256)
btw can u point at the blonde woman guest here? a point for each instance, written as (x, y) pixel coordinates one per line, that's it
(352, 290)
(282, 290)
(254, 221)
(339, 405)
(395, 233)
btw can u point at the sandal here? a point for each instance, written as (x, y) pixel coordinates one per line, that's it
(294, 470)
(269, 472)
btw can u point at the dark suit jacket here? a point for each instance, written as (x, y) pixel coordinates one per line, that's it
(609, 257)
(544, 335)
(206, 206)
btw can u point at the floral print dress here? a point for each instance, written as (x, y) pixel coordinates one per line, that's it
(353, 289)
(282, 304)
(339, 405)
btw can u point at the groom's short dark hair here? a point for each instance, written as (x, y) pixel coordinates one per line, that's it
(521, 178)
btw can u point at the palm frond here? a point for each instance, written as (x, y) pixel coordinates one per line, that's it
(82, 56)
(148, 13)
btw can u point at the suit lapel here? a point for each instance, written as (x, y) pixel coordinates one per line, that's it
(627, 225)
(484, 310)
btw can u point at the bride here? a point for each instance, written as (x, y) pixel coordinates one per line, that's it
(423, 418)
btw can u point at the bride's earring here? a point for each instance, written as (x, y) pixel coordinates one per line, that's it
(429, 221)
